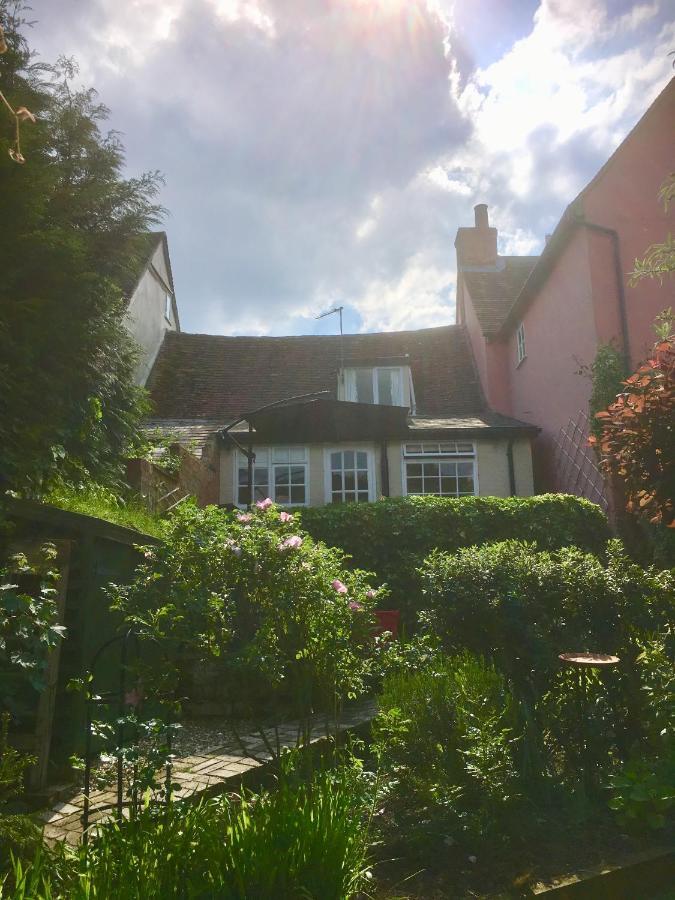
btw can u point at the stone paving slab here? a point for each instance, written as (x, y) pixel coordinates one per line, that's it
(196, 775)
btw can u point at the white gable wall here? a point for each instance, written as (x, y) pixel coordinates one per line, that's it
(145, 318)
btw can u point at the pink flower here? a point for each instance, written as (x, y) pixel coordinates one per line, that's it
(244, 518)
(265, 504)
(370, 595)
(285, 517)
(339, 586)
(291, 543)
(233, 546)
(355, 606)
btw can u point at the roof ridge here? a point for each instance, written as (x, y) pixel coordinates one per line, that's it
(453, 326)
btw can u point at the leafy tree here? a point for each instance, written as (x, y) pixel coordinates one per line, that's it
(638, 437)
(68, 405)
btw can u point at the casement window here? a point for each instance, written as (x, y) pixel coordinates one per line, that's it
(281, 473)
(382, 385)
(520, 343)
(168, 307)
(441, 469)
(350, 476)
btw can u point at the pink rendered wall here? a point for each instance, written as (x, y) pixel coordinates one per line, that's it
(477, 340)
(560, 336)
(625, 197)
(490, 360)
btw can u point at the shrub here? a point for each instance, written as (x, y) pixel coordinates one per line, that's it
(277, 611)
(307, 840)
(521, 607)
(392, 537)
(446, 739)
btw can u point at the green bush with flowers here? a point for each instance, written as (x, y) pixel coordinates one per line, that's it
(279, 614)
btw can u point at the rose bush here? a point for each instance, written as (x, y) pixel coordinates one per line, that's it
(280, 612)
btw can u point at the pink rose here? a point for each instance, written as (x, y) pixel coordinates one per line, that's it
(355, 606)
(265, 504)
(244, 518)
(339, 586)
(233, 546)
(291, 543)
(285, 517)
(370, 595)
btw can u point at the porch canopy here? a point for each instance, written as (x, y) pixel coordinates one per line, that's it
(325, 420)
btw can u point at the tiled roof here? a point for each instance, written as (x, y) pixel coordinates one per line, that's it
(189, 432)
(420, 425)
(493, 292)
(199, 376)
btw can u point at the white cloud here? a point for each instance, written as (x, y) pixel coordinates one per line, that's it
(320, 150)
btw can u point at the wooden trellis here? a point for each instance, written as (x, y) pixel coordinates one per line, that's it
(576, 470)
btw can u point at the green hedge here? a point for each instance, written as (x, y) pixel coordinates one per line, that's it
(392, 537)
(521, 607)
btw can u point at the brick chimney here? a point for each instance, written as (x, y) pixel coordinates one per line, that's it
(477, 246)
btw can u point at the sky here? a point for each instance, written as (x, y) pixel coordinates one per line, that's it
(319, 153)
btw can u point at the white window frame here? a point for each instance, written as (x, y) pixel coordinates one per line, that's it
(264, 456)
(520, 343)
(350, 382)
(328, 470)
(432, 452)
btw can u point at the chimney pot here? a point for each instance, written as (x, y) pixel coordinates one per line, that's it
(481, 215)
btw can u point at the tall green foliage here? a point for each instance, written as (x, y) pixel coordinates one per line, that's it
(393, 536)
(70, 237)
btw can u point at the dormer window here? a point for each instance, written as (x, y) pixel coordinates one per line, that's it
(379, 384)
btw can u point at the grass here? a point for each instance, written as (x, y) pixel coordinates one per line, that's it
(306, 840)
(95, 500)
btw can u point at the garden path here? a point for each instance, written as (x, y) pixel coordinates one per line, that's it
(213, 771)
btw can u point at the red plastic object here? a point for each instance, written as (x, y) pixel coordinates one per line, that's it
(387, 620)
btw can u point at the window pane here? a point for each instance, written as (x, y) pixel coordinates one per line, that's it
(413, 448)
(466, 486)
(448, 468)
(362, 481)
(364, 385)
(349, 481)
(385, 387)
(297, 493)
(281, 454)
(448, 486)
(348, 459)
(337, 498)
(448, 447)
(465, 469)
(243, 476)
(362, 497)
(414, 485)
(361, 460)
(414, 470)
(260, 476)
(336, 481)
(297, 475)
(430, 469)
(297, 454)
(465, 447)
(261, 492)
(283, 494)
(281, 474)
(336, 461)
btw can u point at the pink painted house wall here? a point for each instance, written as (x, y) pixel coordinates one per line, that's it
(571, 301)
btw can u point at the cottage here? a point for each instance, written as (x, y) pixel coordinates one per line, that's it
(335, 419)
(534, 322)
